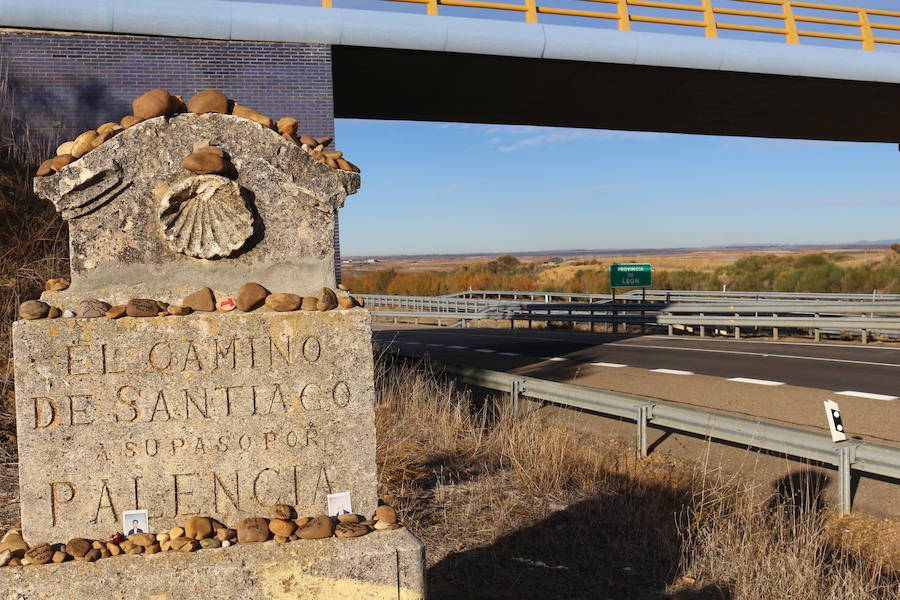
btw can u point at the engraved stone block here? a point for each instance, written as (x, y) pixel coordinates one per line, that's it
(213, 414)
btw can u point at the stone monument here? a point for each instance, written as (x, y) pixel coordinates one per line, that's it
(213, 413)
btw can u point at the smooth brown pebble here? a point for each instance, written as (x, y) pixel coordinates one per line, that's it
(142, 539)
(60, 161)
(318, 528)
(349, 518)
(327, 300)
(310, 303)
(281, 527)
(283, 302)
(129, 120)
(208, 101)
(386, 513)
(114, 549)
(39, 554)
(78, 547)
(251, 296)
(202, 300)
(281, 511)
(154, 103)
(253, 529)
(302, 521)
(349, 530)
(59, 556)
(345, 302)
(179, 311)
(141, 307)
(287, 125)
(33, 309)
(198, 528)
(204, 163)
(57, 285)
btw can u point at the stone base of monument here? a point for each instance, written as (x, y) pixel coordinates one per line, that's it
(385, 564)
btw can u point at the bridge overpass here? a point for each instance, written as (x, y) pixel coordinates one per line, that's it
(392, 65)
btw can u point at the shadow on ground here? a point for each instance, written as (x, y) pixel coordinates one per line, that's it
(610, 547)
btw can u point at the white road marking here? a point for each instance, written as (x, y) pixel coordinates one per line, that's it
(554, 358)
(413, 343)
(436, 345)
(867, 395)
(756, 381)
(484, 350)
(772, 342)
(764, 354)
(509, 354)
(606, 364)
(672, 371)
(458, 347)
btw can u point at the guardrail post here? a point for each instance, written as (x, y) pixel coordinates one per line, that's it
(645, 414)
(846, 457)
(817, 332)
(671, 330)
(515, 391)
(774, 329)
(737, 332)
(865, 336)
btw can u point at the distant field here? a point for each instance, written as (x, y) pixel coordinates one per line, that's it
(787, 269)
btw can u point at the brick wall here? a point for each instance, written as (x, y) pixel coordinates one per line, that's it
(64, 84)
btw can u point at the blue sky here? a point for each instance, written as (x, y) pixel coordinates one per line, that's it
(457, 188)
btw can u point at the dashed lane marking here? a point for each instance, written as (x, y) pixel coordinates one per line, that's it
(672, 371)
(458, 347)
(484, 350)
(436, 345)
(554, 358)
(868, 395)
(509, 354)
(755, 381)
(606, 364)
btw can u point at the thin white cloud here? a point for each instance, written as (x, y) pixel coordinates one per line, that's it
(510, 138)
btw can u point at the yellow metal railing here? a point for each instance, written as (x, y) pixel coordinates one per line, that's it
(868, 25)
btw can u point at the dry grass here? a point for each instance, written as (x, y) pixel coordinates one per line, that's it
(488, 493)
(33, 248)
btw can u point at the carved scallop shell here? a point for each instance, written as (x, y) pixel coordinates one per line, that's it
(205, 217)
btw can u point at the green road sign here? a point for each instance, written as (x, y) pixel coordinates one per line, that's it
(633, 275)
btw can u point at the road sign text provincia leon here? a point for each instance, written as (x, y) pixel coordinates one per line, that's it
(630, 275)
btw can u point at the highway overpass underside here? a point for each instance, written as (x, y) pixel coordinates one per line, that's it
(378, 83)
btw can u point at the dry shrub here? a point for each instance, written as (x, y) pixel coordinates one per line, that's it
(517, 507)
(33, 248)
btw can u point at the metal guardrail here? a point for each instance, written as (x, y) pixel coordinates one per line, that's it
(849, 456)
(867, 26)
(676, 295)
(821, 315)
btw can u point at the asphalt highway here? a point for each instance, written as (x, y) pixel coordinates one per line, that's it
(782, 382)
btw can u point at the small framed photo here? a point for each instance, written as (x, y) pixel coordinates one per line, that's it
(339, 504)
(135, 521)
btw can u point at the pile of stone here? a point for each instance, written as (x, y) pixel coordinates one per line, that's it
(199, 533)
(251, 296)
(160, 103)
